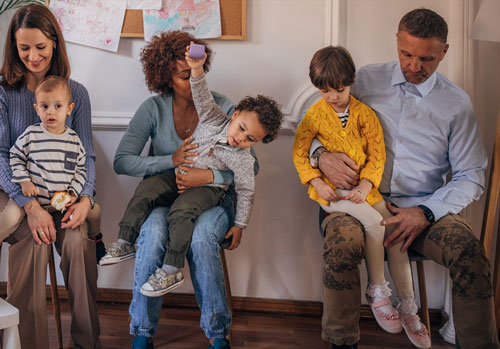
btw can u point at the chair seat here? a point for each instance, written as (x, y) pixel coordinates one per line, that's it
(415, 256)
(9, 315)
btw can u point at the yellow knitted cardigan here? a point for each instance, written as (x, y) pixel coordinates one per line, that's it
(361, 139)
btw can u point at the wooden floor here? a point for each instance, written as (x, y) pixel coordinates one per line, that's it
(179, 328)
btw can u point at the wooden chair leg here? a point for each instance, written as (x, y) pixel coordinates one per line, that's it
(226, 280)
(55, 296)
(423, 296)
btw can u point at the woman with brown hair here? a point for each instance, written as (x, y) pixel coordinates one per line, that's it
(169, 119)
(35, 49)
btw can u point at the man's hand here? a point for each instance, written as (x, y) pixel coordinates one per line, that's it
(193, 177)
(236, 233)
(40, 222)
(340, 169)
(76, 214)
(29, 189)
(324, 190)
(411, 223)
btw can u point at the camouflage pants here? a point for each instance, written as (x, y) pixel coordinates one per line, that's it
(449, 242)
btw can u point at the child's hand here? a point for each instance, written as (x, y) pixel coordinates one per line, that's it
(358, 194)
(195, 64)
(29, 189)
(73, 198)
(236, 233)
(324, 190)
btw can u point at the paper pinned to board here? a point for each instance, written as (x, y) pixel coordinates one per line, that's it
(96, 23)
(200, 18)
(144, 4)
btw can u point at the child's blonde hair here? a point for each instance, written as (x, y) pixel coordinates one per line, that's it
(50, 83)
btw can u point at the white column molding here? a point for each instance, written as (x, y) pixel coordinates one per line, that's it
(335, 34)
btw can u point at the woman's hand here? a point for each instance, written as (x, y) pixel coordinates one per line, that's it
(76, 214)
(236, 233)
(40, 222)
(193, 177)
(182, 154)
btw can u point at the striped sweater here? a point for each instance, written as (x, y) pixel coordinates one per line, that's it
(52, 162)
(17, 113)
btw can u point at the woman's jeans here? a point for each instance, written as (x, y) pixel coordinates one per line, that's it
(204, 264)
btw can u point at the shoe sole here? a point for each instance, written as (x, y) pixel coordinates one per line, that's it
(115, 260)
(412, 341)
(161, 292)
(385, 328)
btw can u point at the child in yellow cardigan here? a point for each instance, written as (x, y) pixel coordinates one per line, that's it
(344, 124)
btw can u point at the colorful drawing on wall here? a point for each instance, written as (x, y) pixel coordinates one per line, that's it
(96, 23)
(144, 4)
(200, 18)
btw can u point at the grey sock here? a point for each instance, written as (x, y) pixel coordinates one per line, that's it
(169, 269)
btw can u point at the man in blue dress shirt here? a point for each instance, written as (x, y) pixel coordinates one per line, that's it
(429, 128)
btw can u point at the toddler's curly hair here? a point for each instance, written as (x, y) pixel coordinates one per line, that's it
(268, 112)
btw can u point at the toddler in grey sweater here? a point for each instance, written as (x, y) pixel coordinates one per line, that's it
(223, 144)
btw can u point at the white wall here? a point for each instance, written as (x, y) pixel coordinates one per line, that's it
(280, 256)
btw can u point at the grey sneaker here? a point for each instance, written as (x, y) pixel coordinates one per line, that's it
(118, 252)
(160, 283)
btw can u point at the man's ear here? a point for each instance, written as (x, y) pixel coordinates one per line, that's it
(443, 53)
(70, 108)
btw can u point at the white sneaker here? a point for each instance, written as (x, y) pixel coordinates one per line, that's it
(160, 283)
(118, 252)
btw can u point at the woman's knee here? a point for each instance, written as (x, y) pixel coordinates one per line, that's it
(211, 226)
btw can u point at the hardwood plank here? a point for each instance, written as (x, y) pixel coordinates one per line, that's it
(179, 329)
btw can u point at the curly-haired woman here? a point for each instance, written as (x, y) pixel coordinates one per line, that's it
(169, 119)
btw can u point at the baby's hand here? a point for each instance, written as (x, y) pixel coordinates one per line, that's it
(358, 194)
(29, 189)
(73, 198)
(196, 64)
(236, 233)
(324, 190)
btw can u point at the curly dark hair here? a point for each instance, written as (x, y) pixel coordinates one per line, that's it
(159, 59)
(268, 112)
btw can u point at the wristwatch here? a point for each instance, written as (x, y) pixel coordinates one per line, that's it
(314, 159)
(91, 199)
(428, 213)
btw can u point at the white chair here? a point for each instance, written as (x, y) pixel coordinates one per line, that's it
(9, 319)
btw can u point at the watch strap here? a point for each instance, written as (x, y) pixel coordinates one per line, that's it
(429, 215)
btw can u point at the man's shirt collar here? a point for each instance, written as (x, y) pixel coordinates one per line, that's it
(424, 88)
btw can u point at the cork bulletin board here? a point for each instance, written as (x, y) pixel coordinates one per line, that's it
(233, 17)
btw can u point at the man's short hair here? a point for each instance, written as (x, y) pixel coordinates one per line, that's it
(52, 82)
(424, 23)
(332, 67)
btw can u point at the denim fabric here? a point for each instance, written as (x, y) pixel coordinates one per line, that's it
(205, 267)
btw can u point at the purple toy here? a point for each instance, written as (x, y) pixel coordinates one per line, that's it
(196, 51)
